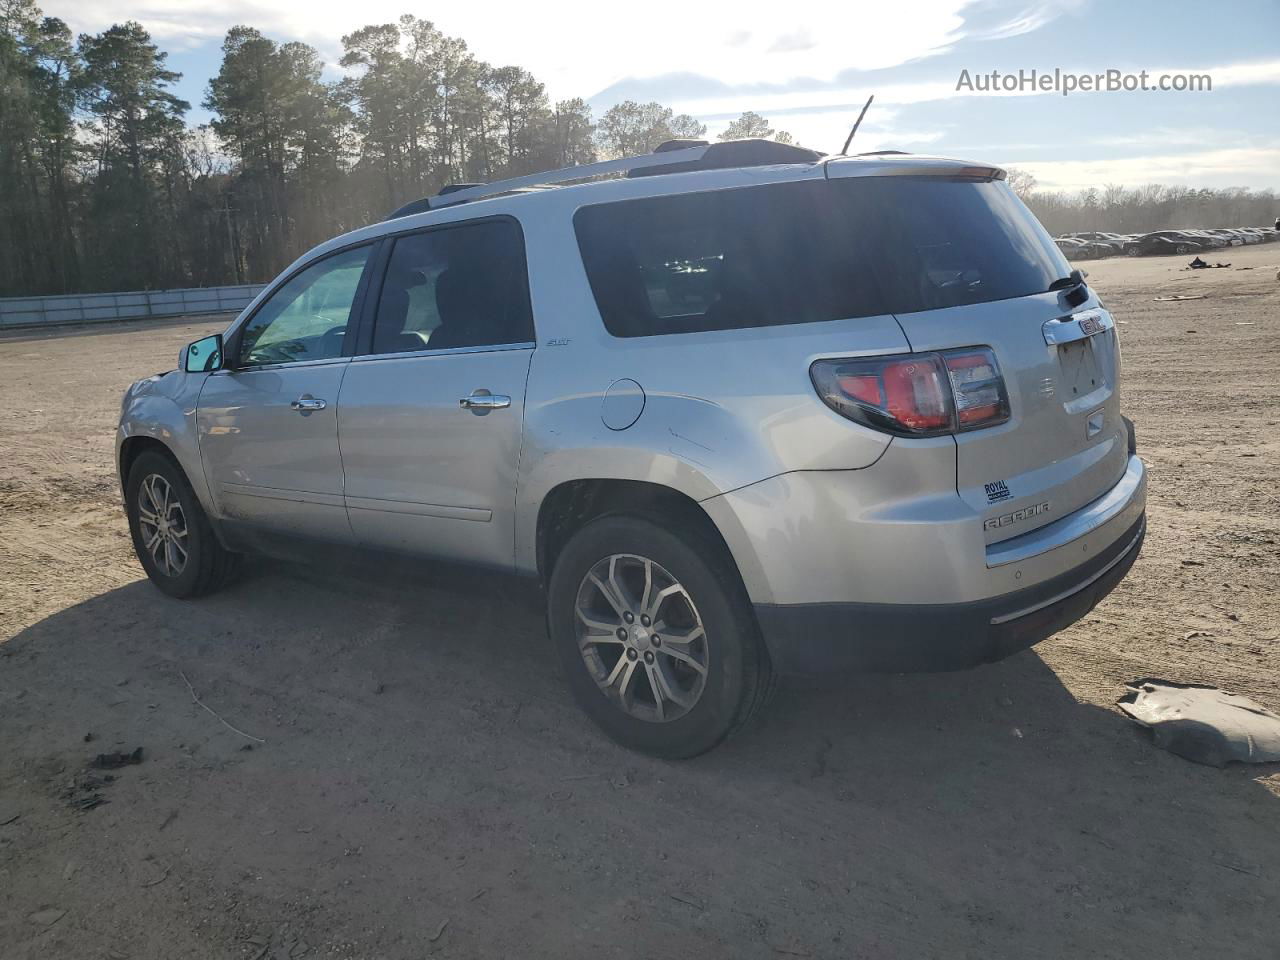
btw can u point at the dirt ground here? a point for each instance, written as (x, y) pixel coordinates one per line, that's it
(426, 788)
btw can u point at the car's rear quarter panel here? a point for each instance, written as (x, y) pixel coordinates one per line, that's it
(722, 409)
(814, 507)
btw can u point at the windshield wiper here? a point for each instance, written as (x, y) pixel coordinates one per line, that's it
(1067, 283)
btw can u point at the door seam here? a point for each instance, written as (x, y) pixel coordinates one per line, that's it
(515, 491)
(337, 432)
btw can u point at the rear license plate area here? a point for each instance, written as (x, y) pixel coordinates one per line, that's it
(1081, 372)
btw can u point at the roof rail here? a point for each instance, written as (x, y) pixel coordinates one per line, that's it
(582, 171)
(673, 156)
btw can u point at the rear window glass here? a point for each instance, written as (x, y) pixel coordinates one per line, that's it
(808, 252)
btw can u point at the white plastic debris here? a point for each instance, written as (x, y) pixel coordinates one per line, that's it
(1202, 723)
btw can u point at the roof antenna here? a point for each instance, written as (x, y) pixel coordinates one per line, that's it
(849, 139)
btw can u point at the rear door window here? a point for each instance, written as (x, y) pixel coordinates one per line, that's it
(463, 285)
(809, 252)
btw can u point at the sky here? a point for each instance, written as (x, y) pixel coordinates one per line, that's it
(809, 67)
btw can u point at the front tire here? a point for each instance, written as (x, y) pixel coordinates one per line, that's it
(172, 536)
(656, 636)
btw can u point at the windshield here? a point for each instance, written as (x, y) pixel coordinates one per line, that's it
(810, 251)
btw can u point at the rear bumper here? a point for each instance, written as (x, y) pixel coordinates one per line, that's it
(819, 638)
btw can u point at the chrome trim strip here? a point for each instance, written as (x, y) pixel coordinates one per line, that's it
(1074, 526)
(410, 508)
(1005, 618)
(445, 352)
(1094, 398)
(326, 361)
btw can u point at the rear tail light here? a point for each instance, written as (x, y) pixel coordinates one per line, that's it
(918, 394)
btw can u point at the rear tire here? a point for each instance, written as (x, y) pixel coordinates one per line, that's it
(172, 536)
(672, 697)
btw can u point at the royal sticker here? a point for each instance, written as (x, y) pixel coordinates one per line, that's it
(997, 491)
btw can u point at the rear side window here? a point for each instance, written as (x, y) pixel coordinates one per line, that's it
(456, 286)
(720, 260)
(809, 252)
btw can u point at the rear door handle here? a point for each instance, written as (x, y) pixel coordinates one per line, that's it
(307, 403)
(482, 401)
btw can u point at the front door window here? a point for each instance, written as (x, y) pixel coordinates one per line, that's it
(308, 317)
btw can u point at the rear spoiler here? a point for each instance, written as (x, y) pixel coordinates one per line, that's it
(899, 165)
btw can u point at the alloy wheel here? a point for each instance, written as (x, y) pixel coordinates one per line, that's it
(163, 525)
(641, 638)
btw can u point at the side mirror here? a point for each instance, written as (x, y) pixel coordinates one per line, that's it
(203, 356)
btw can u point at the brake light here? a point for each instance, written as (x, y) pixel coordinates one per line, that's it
(919, 394)
(864, 388)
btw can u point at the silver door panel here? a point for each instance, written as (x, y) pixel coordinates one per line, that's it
(426, 474)
(267, 463)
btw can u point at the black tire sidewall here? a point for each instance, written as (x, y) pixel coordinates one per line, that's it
(187, 583)
(733, 667)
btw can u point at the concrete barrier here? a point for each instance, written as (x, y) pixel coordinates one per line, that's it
(134, 305)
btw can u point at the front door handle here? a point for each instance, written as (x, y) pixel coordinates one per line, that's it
(482, 401)
(307, 403)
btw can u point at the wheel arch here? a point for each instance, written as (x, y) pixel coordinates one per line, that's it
(573, 504)
(133, 447)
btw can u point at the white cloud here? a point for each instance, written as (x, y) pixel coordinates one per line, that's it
(1266, 73)
(1245, 166)
(1031, 17)
(1241, 74)
(1171, 137)
(898, 93)
(578, 49)
(825, 130)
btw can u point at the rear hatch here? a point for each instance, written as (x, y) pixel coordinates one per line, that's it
(962, 263)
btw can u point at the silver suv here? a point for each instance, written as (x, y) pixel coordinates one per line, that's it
(742, 410)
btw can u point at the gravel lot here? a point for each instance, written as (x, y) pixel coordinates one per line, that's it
(426, 788)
